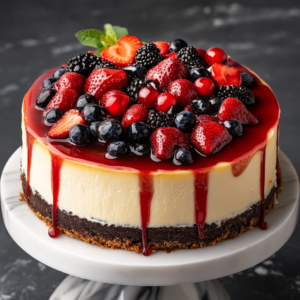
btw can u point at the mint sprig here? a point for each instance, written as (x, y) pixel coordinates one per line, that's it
(101, 40)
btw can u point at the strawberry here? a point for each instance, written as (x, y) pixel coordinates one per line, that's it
(210, 137)
(70, 80)
(234, 109)
(102, 81)
(184, 91)
(172, 54)
(164, 142)
(167, 71)
(135, 113)
(205, 119)
(122, 54)
(61, 129)
(64, 99)
(104, 99)
(225, 75)
(163, 47)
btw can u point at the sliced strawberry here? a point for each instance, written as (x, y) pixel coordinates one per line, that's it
(184, 91)
(61, 129)
(104, 99)
(167, 71)
(164, 142)
(234, 109)
(210, 137)
(123, 53)
(70, 80)
(205, 119)
(163, 47)
(102, 81)
(64, 99)
(135, 113)
(225, 75)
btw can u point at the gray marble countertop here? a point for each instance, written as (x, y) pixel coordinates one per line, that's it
(264, 35)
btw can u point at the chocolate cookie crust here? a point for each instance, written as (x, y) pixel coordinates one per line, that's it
(163, 238)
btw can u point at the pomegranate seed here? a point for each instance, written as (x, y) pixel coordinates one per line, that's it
(117, 104)
(205, 86)
(165, 101)
(215, 55)
(148, 96)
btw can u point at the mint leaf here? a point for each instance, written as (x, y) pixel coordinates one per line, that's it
(90, 37)
(107, 41)
(98, 52)
(110, 34)
(120, 31)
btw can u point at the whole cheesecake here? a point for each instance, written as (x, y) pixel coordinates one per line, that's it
(150, 146)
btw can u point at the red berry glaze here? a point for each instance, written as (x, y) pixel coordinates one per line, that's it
(164, 142)
(116, 103)
(135, 113)
(163, 47)
(205, 119)
(64, 99)
(215, 55)
(184, 91)
(205, 86)
(70, 80)
(148, 96)
(225, 75)
(123, 53)
(210, 137)
(167, 71)
(102, 81)
(165, 101)
(103, 100)
(234, 109)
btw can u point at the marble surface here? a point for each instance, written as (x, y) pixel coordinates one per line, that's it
(38, 35)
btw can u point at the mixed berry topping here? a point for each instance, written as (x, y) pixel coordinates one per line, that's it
(165, 100)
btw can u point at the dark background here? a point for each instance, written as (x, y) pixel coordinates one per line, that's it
(38, 35)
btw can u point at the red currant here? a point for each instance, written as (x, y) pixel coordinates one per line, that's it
(148, 96)
(117, 104)
(205, 86)
(165, 101)
(215, 55)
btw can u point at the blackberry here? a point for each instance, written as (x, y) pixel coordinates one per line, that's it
(191, 58)
(156, 119)
(83, 63)
(148, 55)
(105, 65)
(133, 89)
(242, 93)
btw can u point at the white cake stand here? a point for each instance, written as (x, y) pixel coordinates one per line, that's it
(131, 276)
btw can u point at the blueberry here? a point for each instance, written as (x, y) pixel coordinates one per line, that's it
(201, 107)
(83, 100)
(92, 113)
(198, 72)
(182, 156)
(138, 132)
(94, 130)
(110, 130)
(135, 71)
(79, 134)
(177, 44)
(118, 149)
(215, 104)
(234, 127)
(141, 149)
(59, 72)
(49, 83)
(247, 79)
(44, 98)
(53, 116)
(185, 121)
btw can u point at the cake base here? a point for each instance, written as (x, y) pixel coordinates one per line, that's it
(164, 238)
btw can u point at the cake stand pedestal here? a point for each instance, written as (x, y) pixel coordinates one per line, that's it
(130, 276)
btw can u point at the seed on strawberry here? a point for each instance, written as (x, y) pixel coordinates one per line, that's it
(215, 55)
(62, 128)
(117, 103)
(135, 113)
(65, 99)
(102, 81)
(234, 109)
(123, 53)
(165, 101)
(71, 80)
(148, 96)
(164, 142)
(225, 75)
(210, 137)
(184, 91)
(163, 47)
